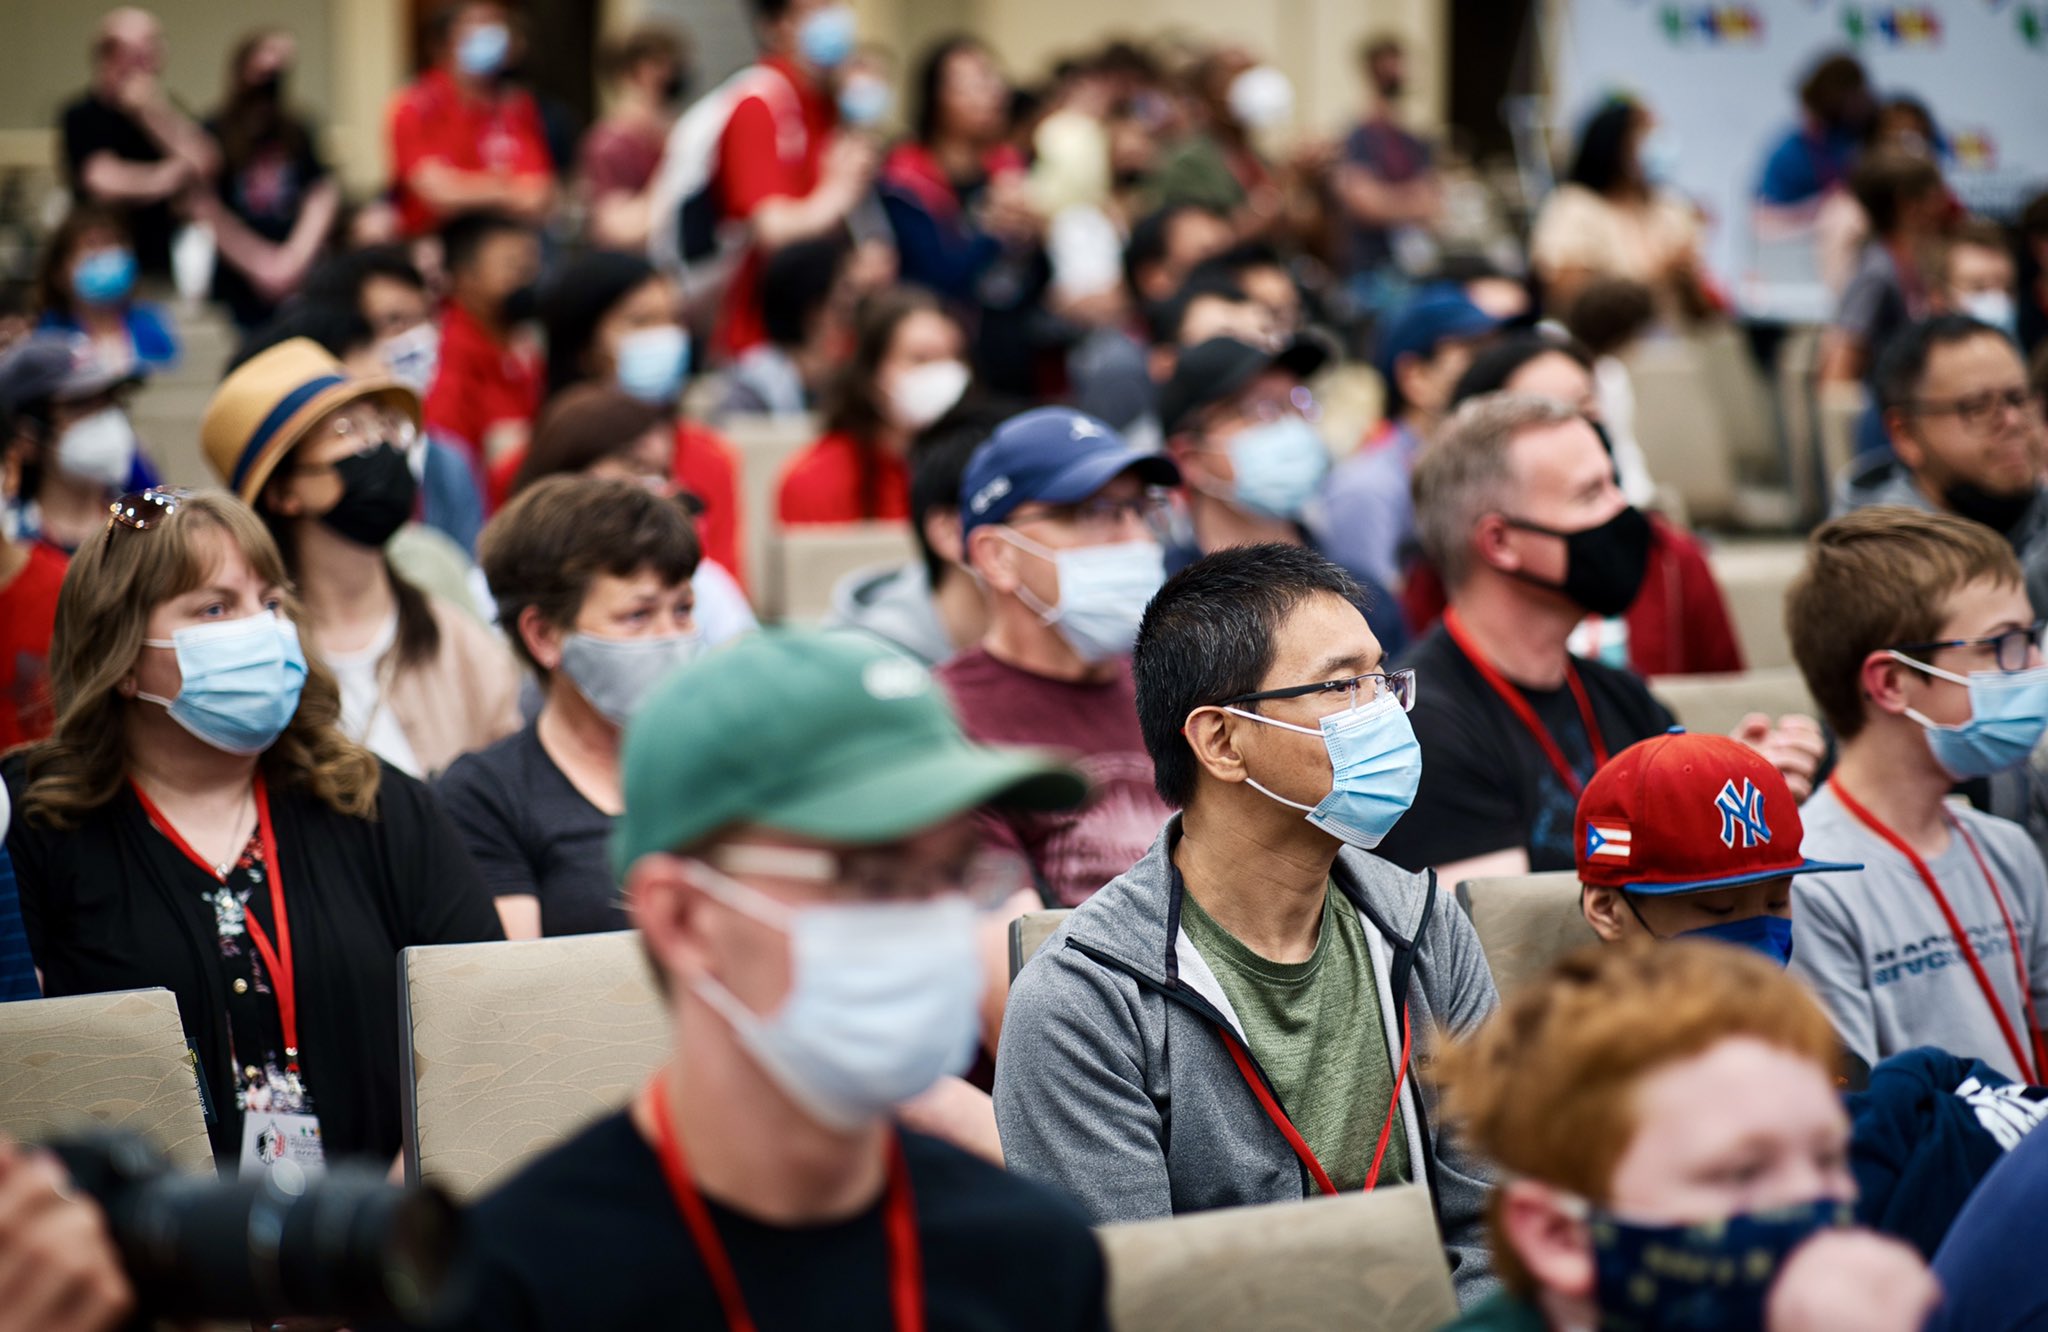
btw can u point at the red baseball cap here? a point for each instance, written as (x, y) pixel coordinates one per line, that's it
(1682, 813)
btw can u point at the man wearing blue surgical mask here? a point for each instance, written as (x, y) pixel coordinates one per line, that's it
(1692, 835)
(1061, 518)
(1240, 1017)
(799, 860)
(1243, 426)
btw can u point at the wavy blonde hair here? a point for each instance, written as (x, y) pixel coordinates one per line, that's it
(114, 582)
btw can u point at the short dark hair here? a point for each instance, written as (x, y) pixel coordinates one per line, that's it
(1832, 84)
(1377, 46)
(463, 235)
(1609, 313)
(1208, 635)
(1883, 182)
(796, 281)
(544, 548)
(339, 279)
(648, 41)
(768, 11)
(338, 329)
(1149, 237)
(1904, 362)
(1165, 319)
(938, 461)
(1491, 369)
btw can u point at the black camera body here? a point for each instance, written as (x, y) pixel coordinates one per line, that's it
(343, 1245)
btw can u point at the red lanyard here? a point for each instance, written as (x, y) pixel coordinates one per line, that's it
(906, 1265)
(1302, 1151)
(1519, 705)
(278, 960)
(2031, 1070)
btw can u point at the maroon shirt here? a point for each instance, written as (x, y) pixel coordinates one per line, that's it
(1074, 852)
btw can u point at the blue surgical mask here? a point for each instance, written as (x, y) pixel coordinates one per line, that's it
(883, 999)
(864, 101)
(104, 277)
(482, 50)
(240, 680)
(1280, 465)
(652, 362)
(1375, 765)
(2008, 713)
(1103, 593)
(1708, 1276)
(1766, 934)
(827, 38)
(1659, 156)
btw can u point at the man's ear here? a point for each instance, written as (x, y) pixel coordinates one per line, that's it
(663, 904)
(1552, 1243)
(1211, 734)
(994, 558)
(542, 640)
(1898, 428)
(942, 532)
(1882, 681)
(1604, 910)
(1490, 542)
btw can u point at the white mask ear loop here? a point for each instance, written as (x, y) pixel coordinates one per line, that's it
(1047, 615)
(1253, 782)
(1925, 668)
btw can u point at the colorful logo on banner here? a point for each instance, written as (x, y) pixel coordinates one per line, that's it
(1974, 149)
(1894, 25)
(1714, 25)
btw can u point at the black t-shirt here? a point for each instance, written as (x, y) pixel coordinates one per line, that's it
(110, 904)
(266, 190)
(531, 831)
(92, 126)
(590, 1236)
(1486, 783)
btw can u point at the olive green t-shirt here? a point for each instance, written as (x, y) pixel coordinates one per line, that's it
(1316, 1028)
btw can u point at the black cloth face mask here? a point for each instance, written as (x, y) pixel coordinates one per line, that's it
(2000, 513)
(1604, 565)
(378, 491)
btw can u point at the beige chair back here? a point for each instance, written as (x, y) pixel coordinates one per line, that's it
(764, 445)
(1681, 430)
(1837, 410)
(809, 562)
(1360, 1260)
(1029, 932)
(1753, 576)
(513, 1047)
(103, 1061)
(1525, 922)
(1716, 704)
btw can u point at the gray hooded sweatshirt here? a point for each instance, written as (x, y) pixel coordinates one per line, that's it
(893, 603)
(1114, 1084)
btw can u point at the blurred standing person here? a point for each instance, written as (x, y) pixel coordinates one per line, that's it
(1385, 181)
(783, 166)
(1614, 216)
(460, 138)
(807, 312)
(274, 202)
(649, 70)
(1813, 159)
(487, 378)
(125, 145)
(1216, 164)
(30, 573)
(909, 368)
(1906, 203)
(612, 319)
(86, 284)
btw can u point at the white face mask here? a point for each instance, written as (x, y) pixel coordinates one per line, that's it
(413, 356)
(924, 393)
(100, 447)
(1103, 593)
(883, 999)
(1995, 308)
(1262, 98)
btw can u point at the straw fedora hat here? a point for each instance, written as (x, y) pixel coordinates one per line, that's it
(261, 411)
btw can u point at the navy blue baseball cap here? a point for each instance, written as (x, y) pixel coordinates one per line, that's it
(1053, 455)
(1438, 313)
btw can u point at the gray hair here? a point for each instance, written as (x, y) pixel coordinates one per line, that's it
(1462, 474)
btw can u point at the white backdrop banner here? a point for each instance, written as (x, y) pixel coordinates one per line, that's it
(1724, 79)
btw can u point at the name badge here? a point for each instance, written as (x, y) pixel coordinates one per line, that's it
(272, 1141)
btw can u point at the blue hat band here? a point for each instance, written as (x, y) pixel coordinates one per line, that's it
(266, 430)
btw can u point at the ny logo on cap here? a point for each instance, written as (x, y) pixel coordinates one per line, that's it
(1742, 809)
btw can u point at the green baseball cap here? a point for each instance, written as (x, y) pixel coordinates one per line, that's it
(819, 733)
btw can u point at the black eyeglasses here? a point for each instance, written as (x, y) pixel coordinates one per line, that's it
(146, 508)
(1979, 411)
(2013, 648)
(1359, 690)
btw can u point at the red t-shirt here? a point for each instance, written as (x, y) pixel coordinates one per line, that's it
(706, 467)
(432, 121)
(1074, 852)
(617, 159)
(480, 384)
(760, 157)
(28, 614)
(1678, 626)
(841, 480)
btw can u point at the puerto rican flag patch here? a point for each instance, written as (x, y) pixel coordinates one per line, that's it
(1607, 840)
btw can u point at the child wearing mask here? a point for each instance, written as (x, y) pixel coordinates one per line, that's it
(1916, 639)
(487, 385)
(86, 284)
(65, 440)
